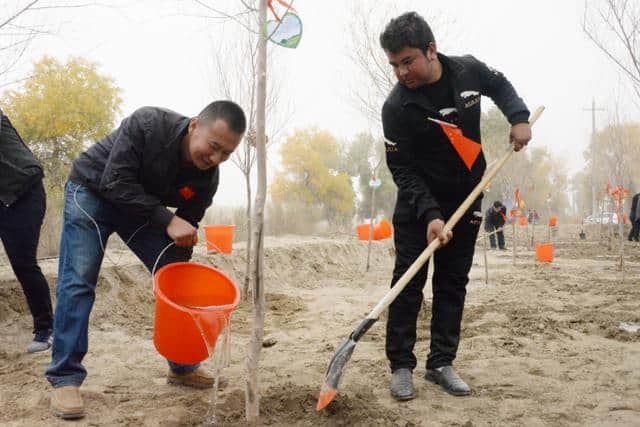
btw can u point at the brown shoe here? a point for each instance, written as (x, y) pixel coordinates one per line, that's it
(200, 378)
(66, 402)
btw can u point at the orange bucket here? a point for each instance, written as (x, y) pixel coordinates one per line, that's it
(219, 238)
(363, 231)
(186, 292)
(382, 230)
(523, 221)
(553, 221)
(544, 252)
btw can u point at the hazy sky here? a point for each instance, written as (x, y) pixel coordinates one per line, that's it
(158, 55)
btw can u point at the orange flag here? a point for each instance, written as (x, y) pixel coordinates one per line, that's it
(467, 149)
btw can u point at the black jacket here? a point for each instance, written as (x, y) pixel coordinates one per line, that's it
(634, 214)
(493, 219)
(19, 169)
(139, 168)
(432, 180)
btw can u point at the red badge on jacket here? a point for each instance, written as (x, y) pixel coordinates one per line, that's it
(186, 192)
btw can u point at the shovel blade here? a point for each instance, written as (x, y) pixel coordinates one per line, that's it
(329, 388)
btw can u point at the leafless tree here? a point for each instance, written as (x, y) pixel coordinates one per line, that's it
(259, 84)
(21, 21)
(375, 78)
(235, 77)
(614, 27)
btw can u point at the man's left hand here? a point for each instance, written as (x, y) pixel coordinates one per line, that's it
(520, 135)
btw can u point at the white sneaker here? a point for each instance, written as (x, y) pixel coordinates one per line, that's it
(37, 346)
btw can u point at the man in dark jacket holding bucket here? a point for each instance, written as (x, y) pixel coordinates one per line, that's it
(434, 173)
(123, 184)
(21, 214)
(494, 220)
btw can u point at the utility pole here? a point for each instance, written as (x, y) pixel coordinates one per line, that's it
(593, 109)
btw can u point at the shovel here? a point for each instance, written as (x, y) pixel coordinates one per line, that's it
(345, 349)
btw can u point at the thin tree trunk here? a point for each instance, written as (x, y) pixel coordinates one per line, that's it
(602, 220)
(486, 264)
(533, 236)
(247, 271)
(252, 391)
(514, 240)
(373, 195)
(621, 231)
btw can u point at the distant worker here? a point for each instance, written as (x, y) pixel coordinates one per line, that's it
(494, 219)
(634, 218)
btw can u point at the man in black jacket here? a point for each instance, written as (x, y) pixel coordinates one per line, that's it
(494, 219)
(123, 184)
(21, 214)
(634, 218)
(432, 182)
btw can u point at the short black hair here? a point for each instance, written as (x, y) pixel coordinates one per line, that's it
(497, 204)
(228, 111)
(407, 30)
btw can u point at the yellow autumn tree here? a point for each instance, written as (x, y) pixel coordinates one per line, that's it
(60, 109)
(312, 175)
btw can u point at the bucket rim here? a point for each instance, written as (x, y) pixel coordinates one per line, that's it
(219, 226)
(157, 291)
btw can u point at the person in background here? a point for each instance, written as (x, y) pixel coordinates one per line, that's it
(21, 214)
(494, 219)
(634, 218)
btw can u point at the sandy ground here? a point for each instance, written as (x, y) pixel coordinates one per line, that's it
(541, 344)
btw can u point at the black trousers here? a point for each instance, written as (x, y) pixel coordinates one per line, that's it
(452, 264)
(20, 232)
(635, 231)
(492, 237)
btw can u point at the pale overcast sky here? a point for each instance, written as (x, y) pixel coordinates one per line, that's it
(158, 56)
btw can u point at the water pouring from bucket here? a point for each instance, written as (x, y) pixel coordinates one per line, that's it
(194, 303)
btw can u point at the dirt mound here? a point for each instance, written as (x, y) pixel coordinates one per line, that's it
(540, 344)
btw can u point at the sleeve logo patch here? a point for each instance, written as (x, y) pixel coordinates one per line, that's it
(468, 94)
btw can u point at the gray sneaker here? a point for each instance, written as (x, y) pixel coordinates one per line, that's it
(402, 384)
(40, 343)
(449, 380)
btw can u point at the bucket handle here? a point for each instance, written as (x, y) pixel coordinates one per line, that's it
(155, 265)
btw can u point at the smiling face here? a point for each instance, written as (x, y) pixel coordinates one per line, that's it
(209, 143)
(415, 68)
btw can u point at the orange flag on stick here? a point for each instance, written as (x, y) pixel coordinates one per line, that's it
(467, 149)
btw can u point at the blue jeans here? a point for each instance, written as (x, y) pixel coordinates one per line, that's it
(81, 254)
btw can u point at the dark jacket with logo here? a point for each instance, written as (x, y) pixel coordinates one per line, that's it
(139, 168)
(495, 219)
(432, 180)
(19, 169)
